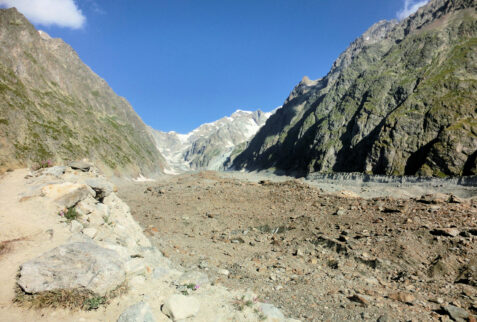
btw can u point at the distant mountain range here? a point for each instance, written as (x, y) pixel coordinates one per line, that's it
(52, 106)
(210, 145)
(401, 100)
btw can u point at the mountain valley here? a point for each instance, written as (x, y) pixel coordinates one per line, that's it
(356, 200)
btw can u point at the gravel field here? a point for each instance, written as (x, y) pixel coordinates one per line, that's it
(329, 251)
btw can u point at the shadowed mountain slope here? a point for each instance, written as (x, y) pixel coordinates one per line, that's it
(400, 100)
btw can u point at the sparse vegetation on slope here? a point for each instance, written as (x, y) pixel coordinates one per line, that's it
(400, 100)
(54, 107)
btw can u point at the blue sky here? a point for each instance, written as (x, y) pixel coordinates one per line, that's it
(182, 63)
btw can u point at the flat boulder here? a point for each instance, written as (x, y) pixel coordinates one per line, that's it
(80, 165)
(67, 194)
(72, 266)
(446, 232)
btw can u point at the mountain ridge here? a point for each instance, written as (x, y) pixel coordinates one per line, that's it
(380, 108)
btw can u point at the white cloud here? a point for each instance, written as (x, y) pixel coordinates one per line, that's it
(410, 6)
(63, 13)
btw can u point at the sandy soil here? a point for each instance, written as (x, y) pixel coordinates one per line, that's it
(316, 251)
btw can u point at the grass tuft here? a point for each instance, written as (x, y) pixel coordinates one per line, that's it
(76, 299)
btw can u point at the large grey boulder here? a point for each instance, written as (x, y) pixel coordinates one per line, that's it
(456, 313)
(139, 312)
(72, 266)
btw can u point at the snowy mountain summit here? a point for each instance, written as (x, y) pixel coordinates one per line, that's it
(211, 144)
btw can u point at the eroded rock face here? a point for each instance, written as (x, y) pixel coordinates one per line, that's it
(73, 266)
(400, 100)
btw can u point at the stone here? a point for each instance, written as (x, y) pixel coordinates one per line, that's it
(456, 313)
(56, 171)
(455, 199)
(298, 252)
(339, 212)
(223, 271)
(178, 307)
(359, 299)
(86, 206)
(139, 312)
(135, 266)
(120, 250)
(468, 274)
(272, 313)
(67, 194)
(75, 226)
(102, 187)
(90, 232)
(403, 297)
(137, 282)
(446, 232)
(194, 277)
(160, 272)
(72, 266)
(383, 318)
(80, 165)
(435, 198)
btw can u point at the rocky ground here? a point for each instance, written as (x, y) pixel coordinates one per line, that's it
(71, 251)
(319, 254)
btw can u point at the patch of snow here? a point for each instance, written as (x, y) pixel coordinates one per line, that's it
(142, 178)
(242, 111)
(171, 172)
(44, 35)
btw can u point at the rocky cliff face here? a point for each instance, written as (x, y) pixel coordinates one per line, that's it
(52, 106)
(400, 100)
(211, 144)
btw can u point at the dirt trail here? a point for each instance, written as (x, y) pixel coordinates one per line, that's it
(319, 255)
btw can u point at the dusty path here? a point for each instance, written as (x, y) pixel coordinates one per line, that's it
(317, 255)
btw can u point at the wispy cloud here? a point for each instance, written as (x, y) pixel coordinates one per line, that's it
(410, 6)
(62, 13)
(93, 6)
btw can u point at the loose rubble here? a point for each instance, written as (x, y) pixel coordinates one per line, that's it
(316, 255)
